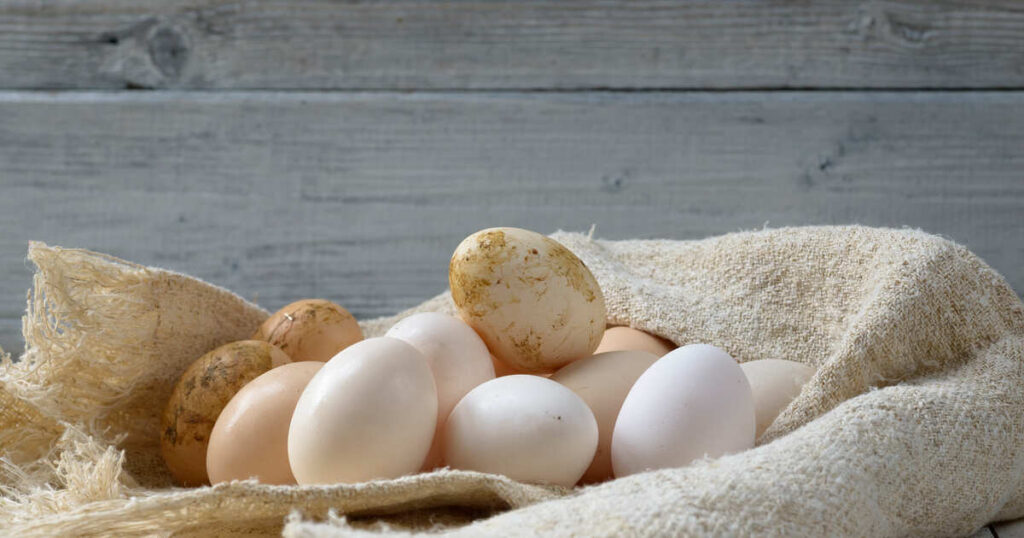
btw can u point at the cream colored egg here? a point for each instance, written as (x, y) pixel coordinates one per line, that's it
(774, 383)
(457, 356)
(535, 304)
(369, 413)
(691, 403)
(603, 382)
(526, 427)
(250, 437)
(627, 338)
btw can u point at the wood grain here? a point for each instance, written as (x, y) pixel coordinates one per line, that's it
(489, 44)
(361, 198)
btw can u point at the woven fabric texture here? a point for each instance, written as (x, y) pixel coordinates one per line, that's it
(911, 426)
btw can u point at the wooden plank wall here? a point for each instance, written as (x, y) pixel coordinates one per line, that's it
(538, 44)
(342, 149)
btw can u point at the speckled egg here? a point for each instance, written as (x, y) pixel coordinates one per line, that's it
(535, 303)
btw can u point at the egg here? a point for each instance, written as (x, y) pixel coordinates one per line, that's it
(501, 369)
(196, 401)
(369, 413)
(625, 338)
(535, 304)
(603, 382)
(691, 403)
(525, 427)
(250, 437)
(774, 383)
(457, 356)
(310, 330)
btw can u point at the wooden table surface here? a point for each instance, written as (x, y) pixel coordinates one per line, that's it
(338, 149)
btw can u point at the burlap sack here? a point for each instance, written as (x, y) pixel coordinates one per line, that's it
(912, 426)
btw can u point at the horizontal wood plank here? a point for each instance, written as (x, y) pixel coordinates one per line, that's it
(362, 197)
(489, 44)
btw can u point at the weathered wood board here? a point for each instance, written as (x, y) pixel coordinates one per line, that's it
(362, 197)
(488, 44)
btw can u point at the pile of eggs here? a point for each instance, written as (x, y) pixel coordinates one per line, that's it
(526, 382)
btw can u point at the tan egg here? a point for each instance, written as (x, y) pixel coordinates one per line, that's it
(626, 338)
(535, 303)
(250, 438)
(310, 330)
(774, 382)
(201, 393)
(603, 381)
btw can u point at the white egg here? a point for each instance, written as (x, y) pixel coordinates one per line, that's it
(774, 383)
(370, 412)
(457, 356)
(526, 427)
(693, 402)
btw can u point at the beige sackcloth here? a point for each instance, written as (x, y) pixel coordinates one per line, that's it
(913, 424)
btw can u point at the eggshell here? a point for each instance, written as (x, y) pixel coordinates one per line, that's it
(603, 382)
(456, 355)
(774, 383)
(310, 330)
(628, 338)
(201, 393)
(369, 413)
(534, 303)
(526, 427)
(501, 369)
(693, 402)
(250, 437)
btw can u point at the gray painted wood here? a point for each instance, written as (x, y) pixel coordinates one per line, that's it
(487, 44)
(362, 197)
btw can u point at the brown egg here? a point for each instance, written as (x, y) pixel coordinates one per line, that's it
(310, 330)
(250, 438)
(603, 381)
(201, 393)
(628, 338)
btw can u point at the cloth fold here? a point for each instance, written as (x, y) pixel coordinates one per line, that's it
(911, 426)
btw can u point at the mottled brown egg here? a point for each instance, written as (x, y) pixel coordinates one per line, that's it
(250, 438)
(310, 330)
(197, 400)
(535, 304)
(630, 339)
